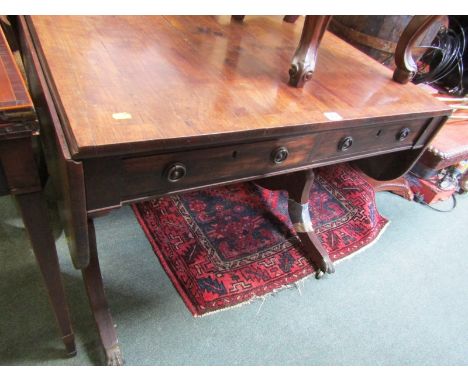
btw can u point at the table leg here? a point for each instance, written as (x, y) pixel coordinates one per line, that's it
(98, 302)
(35, 216)
(305, 57)
(298, 186)
(399, 186)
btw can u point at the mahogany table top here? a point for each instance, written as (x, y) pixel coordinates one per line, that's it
(128, 84)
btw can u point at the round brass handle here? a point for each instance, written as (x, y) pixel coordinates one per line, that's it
(175, 172)
(345, 143)
(403, 134)
(279, 155)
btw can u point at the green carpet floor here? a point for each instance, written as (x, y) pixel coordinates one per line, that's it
(404, 301)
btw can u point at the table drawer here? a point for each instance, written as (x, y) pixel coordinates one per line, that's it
(162, 173)
(370, 139)
(182, 170)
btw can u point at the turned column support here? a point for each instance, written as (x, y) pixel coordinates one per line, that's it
(406, 67)
(298, 186)
(305, 57)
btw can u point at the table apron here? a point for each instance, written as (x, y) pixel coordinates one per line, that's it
(113, 181)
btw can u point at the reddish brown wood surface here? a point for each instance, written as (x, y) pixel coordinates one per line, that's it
(399, 186)
(298, 186)
(205, 80)
(145, 175)
(13, 93)
(97, 299)
(66, 174)
(34, 211)
(19, 176)
(305, 58)
(123, 100)
(406, 67)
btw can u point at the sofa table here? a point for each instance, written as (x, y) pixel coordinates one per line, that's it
(19, 176)
(133, 108)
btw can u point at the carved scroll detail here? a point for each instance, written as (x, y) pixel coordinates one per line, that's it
(406, 67)
(305, 57)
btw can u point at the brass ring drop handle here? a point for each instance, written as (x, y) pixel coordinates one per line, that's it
(175, 172)
(345, 143)
(279, 155)
(403, 134)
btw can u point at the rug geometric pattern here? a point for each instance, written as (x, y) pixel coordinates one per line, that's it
(226, 245)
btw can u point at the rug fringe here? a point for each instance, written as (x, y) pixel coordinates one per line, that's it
(294, 284)
(367, 246)
(255, 298)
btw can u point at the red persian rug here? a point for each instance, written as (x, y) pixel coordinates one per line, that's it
(227, 245)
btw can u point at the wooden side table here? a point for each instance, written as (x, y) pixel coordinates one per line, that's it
(19, 176)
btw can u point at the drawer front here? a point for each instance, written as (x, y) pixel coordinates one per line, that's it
(370, 139)
(163, 173)
(193, 168)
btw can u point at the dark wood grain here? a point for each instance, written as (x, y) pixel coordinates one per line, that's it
(136, 108)
(399, 186)
(205, 81)
(95, 289)
(146, 174)
(111, 181)
(66, 174)
(388, 166)
(298, 186)
(19, 175)
(21, 178)
(305, 57)
(34, 211)
(406, 67)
